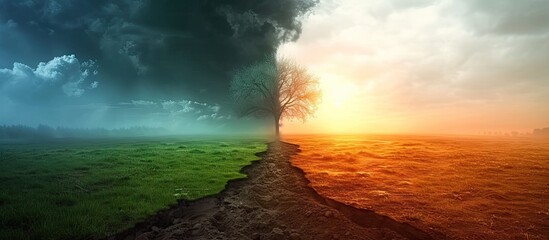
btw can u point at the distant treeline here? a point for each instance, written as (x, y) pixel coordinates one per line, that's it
(538, 132)
(541, 132)
(43, 131)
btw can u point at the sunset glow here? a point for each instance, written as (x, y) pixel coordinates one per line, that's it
(435, 67)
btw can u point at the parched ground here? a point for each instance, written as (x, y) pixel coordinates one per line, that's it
(274, 202)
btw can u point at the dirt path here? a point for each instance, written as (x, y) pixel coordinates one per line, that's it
(274, 202)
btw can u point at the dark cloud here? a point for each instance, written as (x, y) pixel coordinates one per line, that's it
(145, 49)
(169, 47)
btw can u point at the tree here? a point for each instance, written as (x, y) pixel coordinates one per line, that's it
(279, 88)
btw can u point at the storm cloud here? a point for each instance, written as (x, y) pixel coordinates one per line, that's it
(103, 53)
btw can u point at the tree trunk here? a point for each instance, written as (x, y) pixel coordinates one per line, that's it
(277, 127)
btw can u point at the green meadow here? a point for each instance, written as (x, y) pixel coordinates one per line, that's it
(75, 189)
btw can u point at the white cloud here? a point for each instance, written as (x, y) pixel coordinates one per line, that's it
(202, 117)
(143, 103)
(186, 106)
(61, 75)
(201, 110)
(178, 107)
(214, 116)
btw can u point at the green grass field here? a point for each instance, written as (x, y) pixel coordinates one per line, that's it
(67, 189)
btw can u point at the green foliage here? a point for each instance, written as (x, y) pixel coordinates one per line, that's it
(92, 188)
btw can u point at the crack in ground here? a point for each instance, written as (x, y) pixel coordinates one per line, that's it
(288, 208)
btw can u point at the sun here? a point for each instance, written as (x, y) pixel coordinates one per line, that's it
(337, 93)
(338, 103)
(342, 98)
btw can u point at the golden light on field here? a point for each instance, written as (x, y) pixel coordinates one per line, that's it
(467, 187)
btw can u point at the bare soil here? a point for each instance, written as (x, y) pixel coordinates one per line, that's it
(274, 202)
(465, 187)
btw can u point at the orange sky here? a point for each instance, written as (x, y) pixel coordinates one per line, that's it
(425, 67)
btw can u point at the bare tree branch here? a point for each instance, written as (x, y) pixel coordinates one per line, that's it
(279, 88)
